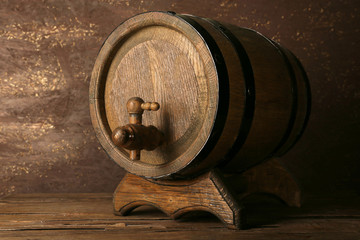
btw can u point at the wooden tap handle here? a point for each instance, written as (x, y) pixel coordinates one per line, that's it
(150, 106)
(136, 106)
(135, 136)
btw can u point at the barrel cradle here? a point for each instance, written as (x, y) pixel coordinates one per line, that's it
(226, 97)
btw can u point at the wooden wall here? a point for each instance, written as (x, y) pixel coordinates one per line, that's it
(47, 49)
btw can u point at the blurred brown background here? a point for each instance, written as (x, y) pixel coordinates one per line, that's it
(47, 49)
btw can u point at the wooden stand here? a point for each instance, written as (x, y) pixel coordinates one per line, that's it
(210, 192)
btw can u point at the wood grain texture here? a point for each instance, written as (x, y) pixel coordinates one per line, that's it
(177, 72)
(215, 84)
(274, 99)
(223, 196)
(176, 198)
(90, 216)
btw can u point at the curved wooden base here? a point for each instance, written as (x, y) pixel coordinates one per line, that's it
(270, 177)
(175, 198)
(209, 192)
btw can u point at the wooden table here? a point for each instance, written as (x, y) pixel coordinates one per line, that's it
(90, 216)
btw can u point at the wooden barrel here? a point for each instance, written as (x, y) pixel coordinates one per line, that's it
(229, 97)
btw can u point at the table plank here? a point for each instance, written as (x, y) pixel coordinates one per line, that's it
(90, 216)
